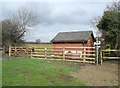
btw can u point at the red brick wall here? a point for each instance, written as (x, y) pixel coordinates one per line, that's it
(58, 50)
(90, 42)
(68, 45)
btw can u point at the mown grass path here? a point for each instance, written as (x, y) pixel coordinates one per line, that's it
(33, 72)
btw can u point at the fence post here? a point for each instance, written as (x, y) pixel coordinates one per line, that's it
(31, 53)
(45, 53)
(15, 51)
(101, 60)
(63, 53)
(9, 50)
(84, 55)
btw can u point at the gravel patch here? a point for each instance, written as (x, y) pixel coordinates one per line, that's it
(99, 75)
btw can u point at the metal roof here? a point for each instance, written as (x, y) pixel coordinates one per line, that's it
(72, 36)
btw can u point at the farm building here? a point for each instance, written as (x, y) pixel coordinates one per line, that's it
(74, 39)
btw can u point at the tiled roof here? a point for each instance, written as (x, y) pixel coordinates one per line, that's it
(72, 36)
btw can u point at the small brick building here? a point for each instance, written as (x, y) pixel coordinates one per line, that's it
(74, 39)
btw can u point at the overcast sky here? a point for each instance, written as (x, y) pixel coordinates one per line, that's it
(58, 16)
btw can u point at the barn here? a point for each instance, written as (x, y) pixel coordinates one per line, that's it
(74, 39)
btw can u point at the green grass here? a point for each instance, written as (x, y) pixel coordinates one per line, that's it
(39, 45)
(34, 72)
(0, 73)
(42, 50)
(42, 46)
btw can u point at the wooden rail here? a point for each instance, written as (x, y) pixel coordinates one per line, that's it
(109, 57)
(110, 50)
(75, 54)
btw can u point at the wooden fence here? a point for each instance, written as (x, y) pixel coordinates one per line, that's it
(75, 54)
(109, 54)
(1, 49)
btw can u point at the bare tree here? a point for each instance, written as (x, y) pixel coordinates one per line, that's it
(10, 33)
(24, 18)
(16, 25)
(115, 6)
(93, 23)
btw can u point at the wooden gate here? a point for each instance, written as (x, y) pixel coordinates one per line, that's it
(19, 51)
(109, 54)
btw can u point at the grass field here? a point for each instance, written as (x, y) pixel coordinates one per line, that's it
(34, 72)
(39, 45)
